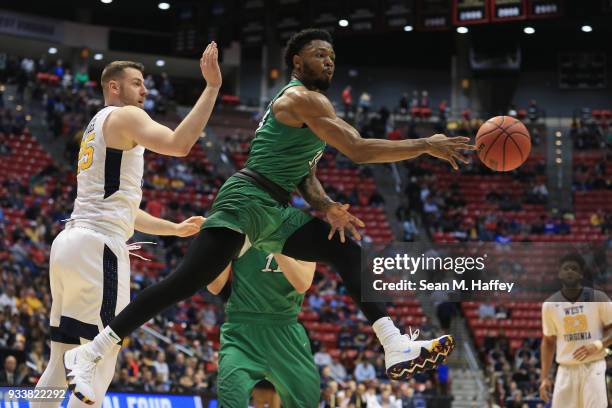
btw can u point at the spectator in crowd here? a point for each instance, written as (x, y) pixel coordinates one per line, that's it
(364, 370)
(161, 367)
(347, 101)
(322, 357)
(10, 376)
(338, 371)
(486, 310)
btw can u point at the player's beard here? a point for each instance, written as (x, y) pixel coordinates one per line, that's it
(311, 79)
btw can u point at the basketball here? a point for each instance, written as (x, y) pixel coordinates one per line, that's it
(503, 143)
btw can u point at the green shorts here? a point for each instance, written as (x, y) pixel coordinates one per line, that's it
(279, 353)
(244, 207)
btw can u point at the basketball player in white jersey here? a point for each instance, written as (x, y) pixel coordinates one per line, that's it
(89, 262)
(577, 322)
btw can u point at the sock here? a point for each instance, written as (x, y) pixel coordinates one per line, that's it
(104, 342)
(385, 330)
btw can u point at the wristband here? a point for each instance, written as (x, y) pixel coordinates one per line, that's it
(598, 344)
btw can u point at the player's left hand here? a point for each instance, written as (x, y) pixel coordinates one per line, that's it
(447, 148)
(340, 219)
(189, 227)
(587, 350)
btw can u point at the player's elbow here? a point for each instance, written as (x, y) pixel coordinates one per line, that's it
(182, 151)
(358, 155)
(359, 152)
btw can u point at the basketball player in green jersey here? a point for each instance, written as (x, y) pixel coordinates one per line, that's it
(253, 203)
(261, 337)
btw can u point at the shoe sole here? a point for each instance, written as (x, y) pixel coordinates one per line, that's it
(429, 359)
(72, 387)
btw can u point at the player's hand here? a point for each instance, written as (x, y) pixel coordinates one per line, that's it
(209, 65)
(340, 219)
(587, 350)
(447, 148)
(189, 227)
(545, 388)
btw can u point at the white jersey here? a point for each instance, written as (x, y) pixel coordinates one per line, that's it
(109, 182)
(576, 324)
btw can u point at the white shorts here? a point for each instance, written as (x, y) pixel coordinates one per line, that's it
(89, 274)
(581, 386)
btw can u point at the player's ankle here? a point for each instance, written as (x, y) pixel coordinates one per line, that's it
(386, 331)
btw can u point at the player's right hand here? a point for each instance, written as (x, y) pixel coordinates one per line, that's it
(340, 218)
(447, 148)
(545, 387)
(209, 65)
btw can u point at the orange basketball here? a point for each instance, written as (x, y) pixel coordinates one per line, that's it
(503, 143)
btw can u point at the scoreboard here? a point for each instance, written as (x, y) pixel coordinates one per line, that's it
(545, 8)
(433, 14)
(438, 14)
(466, 12)
(470, 12)
(508, 10)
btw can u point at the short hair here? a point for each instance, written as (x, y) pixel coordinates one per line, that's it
(574, 257)
(300, 39)
(116, 68)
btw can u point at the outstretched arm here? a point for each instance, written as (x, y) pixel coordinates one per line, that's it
(135, 124)
(149, 224)
(336, 214)
(315, 110)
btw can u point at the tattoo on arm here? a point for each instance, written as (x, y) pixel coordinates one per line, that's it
(311, 189)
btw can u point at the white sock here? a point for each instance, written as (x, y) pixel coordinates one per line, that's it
(385, 330)
(104, 342)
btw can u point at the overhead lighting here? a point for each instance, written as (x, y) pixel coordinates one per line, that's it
(106, 1)
(52, 50)
(408, 28)
(343, 23)
(163, 6)
(462, 30)
(586, 28)
(160, 62)
(98, 56)
(529, 30)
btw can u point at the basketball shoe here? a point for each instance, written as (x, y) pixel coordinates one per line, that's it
(80, 365)
(405, 355)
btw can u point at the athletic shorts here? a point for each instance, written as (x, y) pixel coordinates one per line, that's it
(277, 352)
(90, 283)
(244, 207)
(581, 386)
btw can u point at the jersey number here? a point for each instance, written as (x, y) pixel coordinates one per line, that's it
(575, 324)
(263, 119)
(86, 153)
(268, 268)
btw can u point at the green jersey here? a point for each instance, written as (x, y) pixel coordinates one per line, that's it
(260, 290)
(282, 153)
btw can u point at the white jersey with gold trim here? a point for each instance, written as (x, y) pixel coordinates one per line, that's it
(576, 324)
(109, 182)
